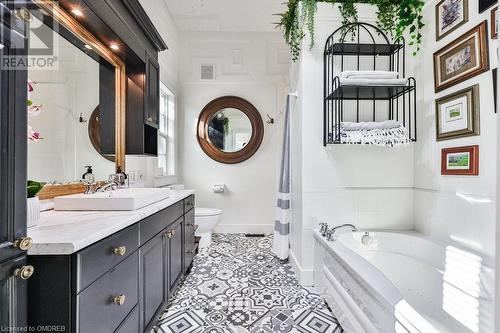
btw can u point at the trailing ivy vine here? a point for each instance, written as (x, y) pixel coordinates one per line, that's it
(394, 17)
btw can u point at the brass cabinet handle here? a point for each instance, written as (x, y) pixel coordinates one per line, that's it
(24, 272)
(118, 300)
(23, 243)
(22, 14)
(120, 250)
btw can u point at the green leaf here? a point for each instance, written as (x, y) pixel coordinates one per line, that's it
(394, 18)
(33, 188)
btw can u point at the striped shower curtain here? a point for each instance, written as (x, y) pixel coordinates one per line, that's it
(283, 213)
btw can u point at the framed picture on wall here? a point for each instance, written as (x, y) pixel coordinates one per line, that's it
(485, 4)
(460, 161)
(450, 14)
(463, 58)
(494, 23)
(457, 115)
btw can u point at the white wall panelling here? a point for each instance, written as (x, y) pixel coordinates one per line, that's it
(368, 186)
(65, 94)
(460, 208)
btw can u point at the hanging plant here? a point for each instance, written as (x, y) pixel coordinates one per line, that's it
(394, 17)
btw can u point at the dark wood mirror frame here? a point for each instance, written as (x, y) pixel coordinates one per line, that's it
(257, 129)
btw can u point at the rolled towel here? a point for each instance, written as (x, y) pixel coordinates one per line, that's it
(370, 125)
(372, 82)
(369, 74)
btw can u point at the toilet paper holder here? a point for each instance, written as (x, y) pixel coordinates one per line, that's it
(219, 188)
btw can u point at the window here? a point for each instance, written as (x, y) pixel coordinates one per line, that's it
(166, 132)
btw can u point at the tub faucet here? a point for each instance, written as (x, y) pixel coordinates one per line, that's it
(323, 228)
(330, 233)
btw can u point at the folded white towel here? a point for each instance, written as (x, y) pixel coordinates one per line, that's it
(387, 133)
(389, 137)
(372, 82)
(369, 125)
(369, 74)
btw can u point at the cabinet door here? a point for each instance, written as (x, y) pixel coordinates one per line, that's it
(13, 296)
(152, 271)
(152, 107)
(189, 239)
(176, 253)
(13, 143)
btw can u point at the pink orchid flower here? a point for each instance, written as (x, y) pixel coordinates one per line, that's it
(34, 110)
(33, 135)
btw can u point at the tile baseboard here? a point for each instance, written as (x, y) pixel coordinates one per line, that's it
(305, 276)
(244, 228)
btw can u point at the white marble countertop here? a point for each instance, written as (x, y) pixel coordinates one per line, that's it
(66, 232)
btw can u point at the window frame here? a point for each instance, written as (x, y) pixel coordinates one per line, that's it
(167, 115)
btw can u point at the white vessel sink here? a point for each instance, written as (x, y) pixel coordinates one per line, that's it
(120, 199)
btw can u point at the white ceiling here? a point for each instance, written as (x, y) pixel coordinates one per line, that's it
(226, 15)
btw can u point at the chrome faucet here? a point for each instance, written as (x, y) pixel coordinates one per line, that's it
(89, 187)
(330, 233)
(323, 228)
(120, 178)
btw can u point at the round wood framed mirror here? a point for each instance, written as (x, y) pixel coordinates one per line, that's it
(94, 130)
(230, 129)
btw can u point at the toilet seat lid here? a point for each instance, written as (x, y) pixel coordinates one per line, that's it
(207, 211)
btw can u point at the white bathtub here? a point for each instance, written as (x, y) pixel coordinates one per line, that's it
(404, 282)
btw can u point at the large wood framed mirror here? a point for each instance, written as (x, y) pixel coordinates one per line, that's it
(230, 129)
(88, 75)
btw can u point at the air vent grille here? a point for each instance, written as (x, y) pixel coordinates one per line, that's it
(207, 72)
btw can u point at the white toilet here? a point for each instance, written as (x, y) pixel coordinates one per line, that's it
(206, 219)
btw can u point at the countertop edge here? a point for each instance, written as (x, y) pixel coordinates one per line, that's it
(68, 246)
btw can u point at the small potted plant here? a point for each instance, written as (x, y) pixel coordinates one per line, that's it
(33, 208)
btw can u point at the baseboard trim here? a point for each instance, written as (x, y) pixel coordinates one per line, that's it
(305, 276)
(244, 229)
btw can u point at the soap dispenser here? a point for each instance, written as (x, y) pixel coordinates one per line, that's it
(88, 177)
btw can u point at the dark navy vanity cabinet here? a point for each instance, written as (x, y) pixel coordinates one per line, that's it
(119, 284)
(13, 264)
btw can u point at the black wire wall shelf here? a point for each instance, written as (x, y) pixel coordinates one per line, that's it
(386, 92)
(364, 49)
(346, 102)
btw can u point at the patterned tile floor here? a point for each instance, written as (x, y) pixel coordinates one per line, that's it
(237, 285)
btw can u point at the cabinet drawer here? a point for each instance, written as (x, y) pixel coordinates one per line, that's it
(153, 224)
(97, 259)
(131, 323)
(188, 203)
(97, 312)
